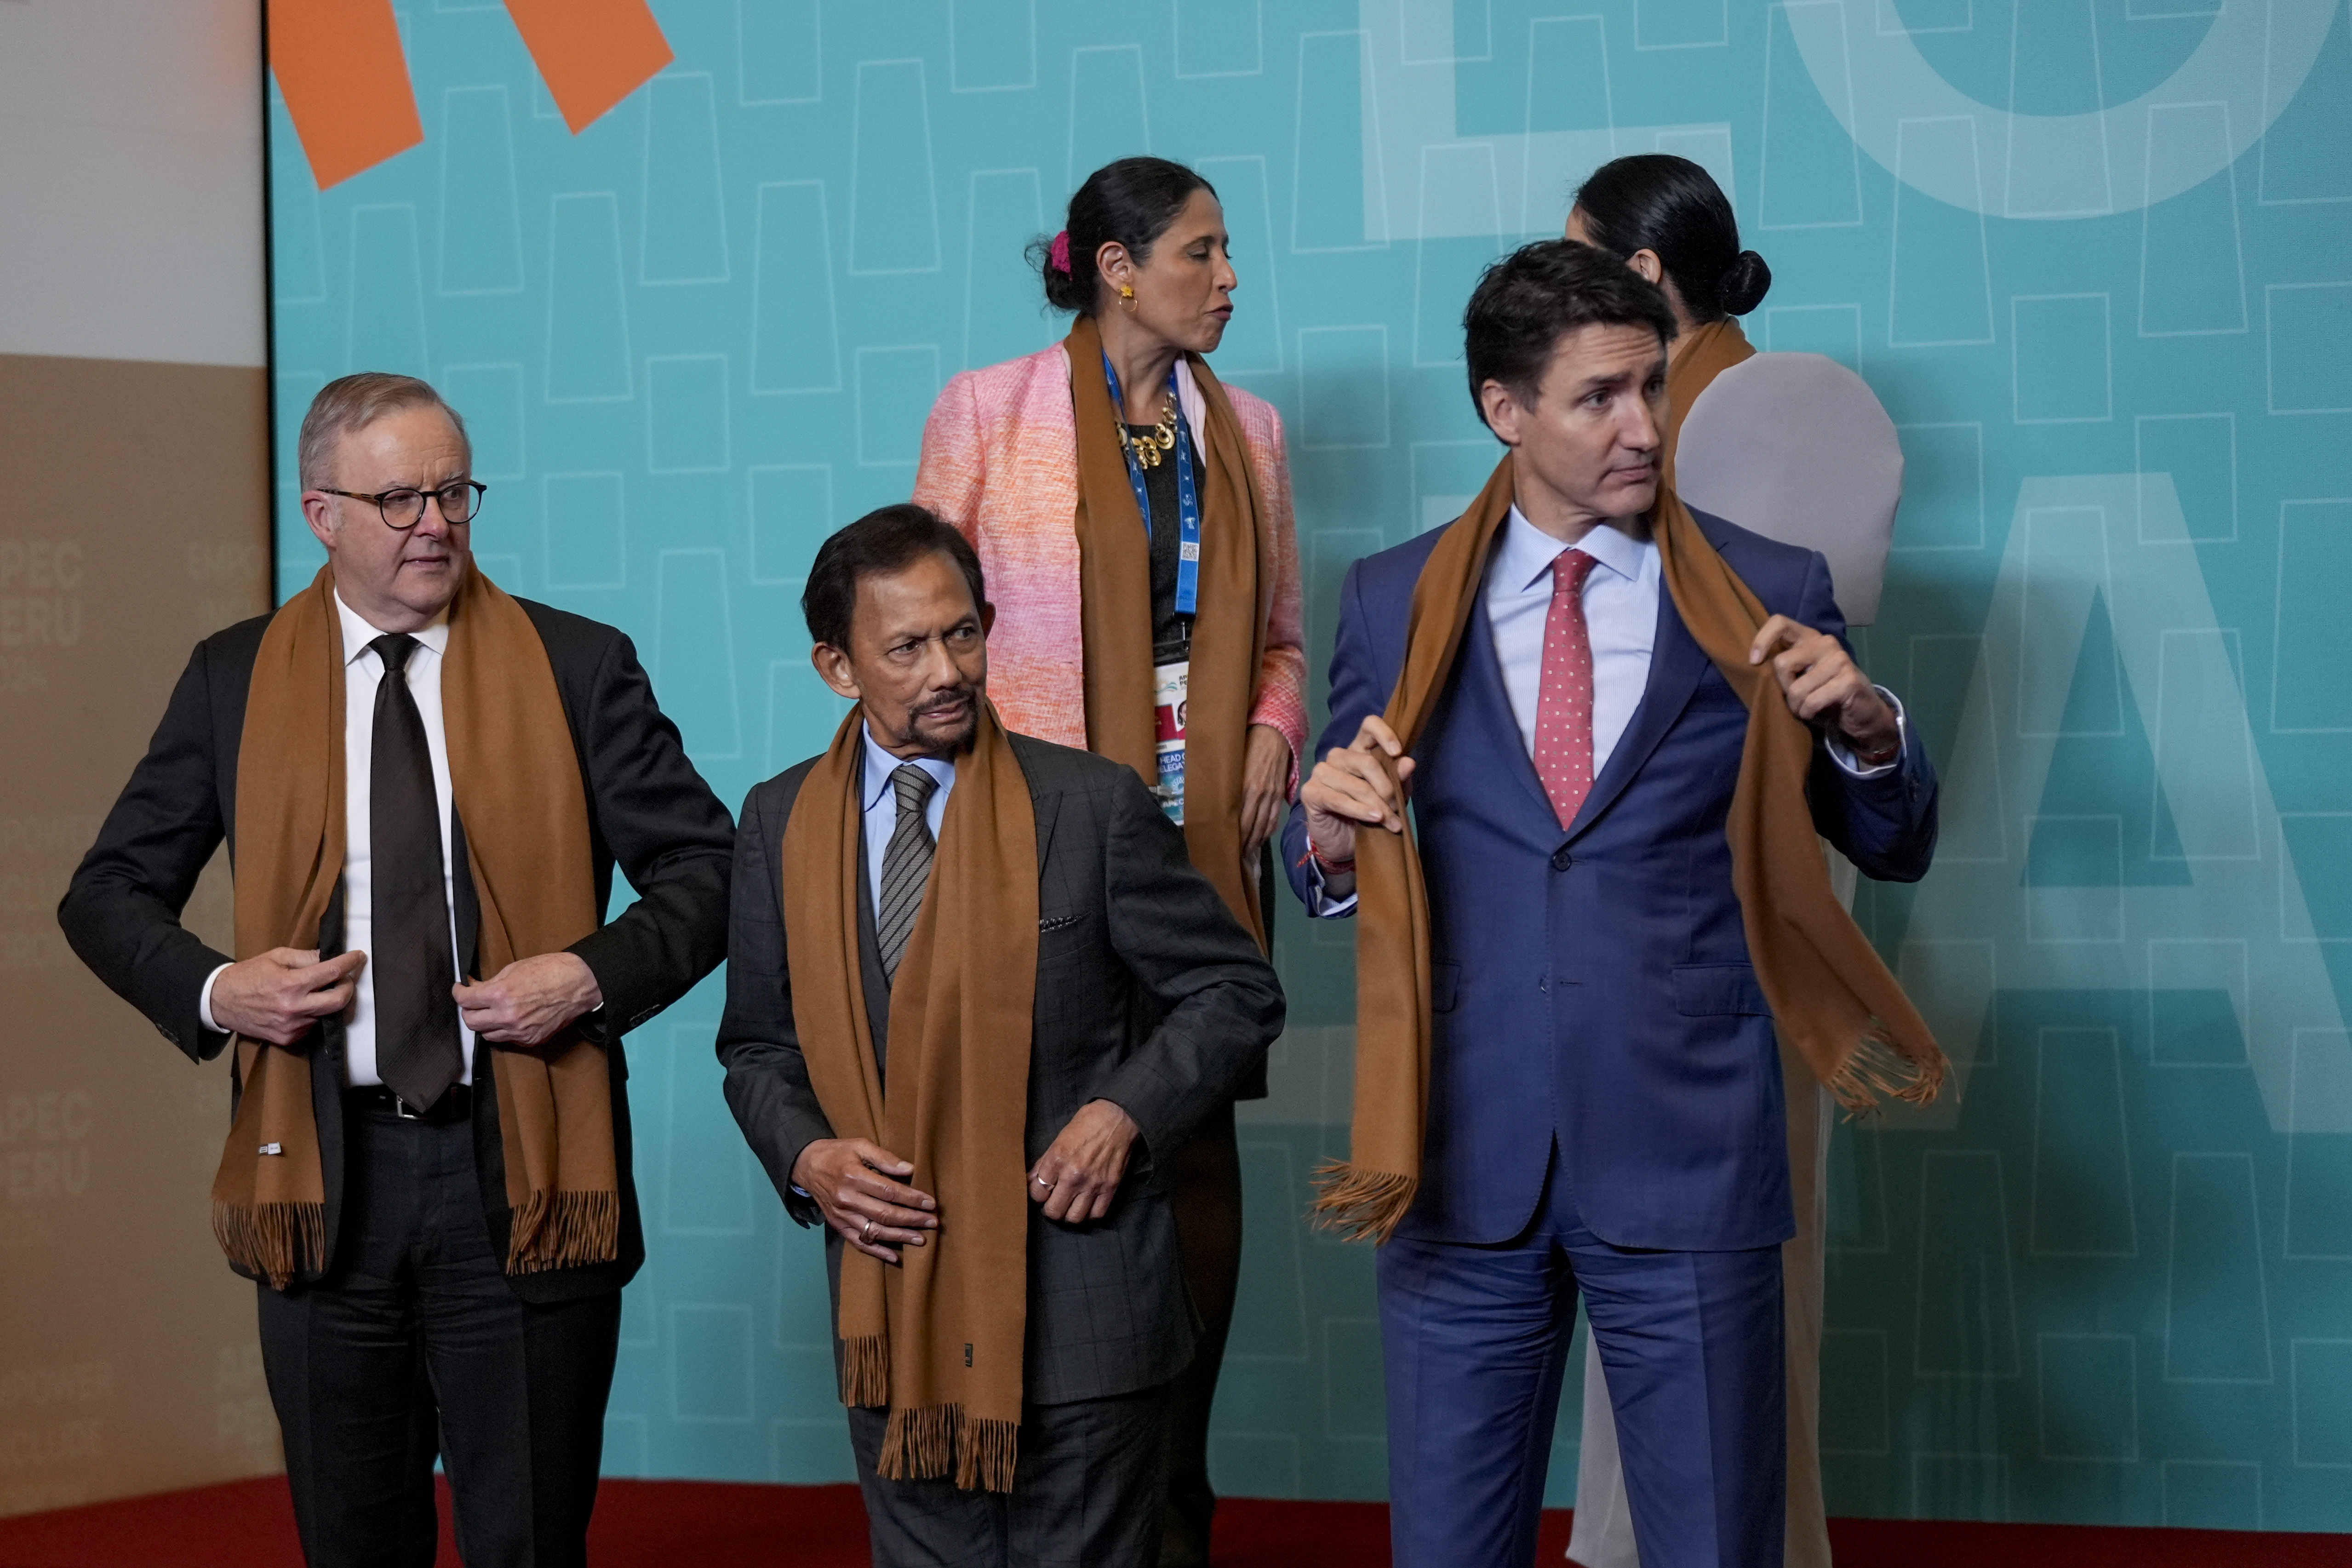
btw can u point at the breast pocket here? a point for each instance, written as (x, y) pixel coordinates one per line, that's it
(1062, 935)
(1712, 990)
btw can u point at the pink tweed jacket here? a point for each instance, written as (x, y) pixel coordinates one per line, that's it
(1001, 462)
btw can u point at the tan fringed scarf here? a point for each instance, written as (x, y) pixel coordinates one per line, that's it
(1829, 990)
(1228, 632)
(937, 1340)
(526, 813)
(1705, 351)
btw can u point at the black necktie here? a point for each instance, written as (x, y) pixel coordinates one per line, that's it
(416, 1041)
(905, 867)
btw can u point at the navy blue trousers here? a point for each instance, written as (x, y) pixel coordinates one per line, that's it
(1475, 1339)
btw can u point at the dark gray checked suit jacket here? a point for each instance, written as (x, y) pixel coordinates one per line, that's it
(1149, 995)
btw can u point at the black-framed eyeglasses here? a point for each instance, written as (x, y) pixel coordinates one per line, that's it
(403, 509)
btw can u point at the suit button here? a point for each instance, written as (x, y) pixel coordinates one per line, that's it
(1561, 859)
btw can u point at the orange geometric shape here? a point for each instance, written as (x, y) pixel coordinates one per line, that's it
(345, 79)
(591, 53)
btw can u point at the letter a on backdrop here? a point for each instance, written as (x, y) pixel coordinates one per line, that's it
(344, 74)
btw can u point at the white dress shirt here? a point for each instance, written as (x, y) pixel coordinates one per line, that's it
(1621, 617)
(362, 672)
(881, 806)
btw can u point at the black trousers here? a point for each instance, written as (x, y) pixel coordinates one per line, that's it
(1204, 1180)
(1204, 1186)
(415, 1346)
(1087, 1492)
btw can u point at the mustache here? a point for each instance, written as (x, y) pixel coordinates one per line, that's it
(944, 701)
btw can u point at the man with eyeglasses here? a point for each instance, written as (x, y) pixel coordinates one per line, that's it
(426, 785)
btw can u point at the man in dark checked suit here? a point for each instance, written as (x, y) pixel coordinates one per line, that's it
(436, 1278)
(1149, 1004)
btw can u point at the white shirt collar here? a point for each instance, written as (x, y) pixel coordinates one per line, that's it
(1190, 398)
(1527, 551)
(880, 765)
(358, 633)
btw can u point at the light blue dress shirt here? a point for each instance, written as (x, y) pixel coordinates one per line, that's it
(1621, 617)
(881, 806)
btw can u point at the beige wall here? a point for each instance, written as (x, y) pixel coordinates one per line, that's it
(133, 521)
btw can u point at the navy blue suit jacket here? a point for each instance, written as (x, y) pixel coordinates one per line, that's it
(1592, 988)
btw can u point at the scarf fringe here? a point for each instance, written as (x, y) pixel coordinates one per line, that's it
(986, 1453)
(938, 1439)
(1877, 1070)
(1360, 1206)
(564, 1230)
(275, 1241)
(918, 1445)
(865, 1371)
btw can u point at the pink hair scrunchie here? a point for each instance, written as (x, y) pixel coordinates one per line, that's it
(1058, 253)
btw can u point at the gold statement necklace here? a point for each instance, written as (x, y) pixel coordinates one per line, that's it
(1149, 449)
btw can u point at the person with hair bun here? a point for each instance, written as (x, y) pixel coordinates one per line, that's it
(1667, 219)
(1133, 516)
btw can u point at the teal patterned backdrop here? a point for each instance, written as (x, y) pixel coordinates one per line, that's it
(2096, 256)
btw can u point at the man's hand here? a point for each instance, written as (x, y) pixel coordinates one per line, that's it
(279, 995)
(1265, 789)
(851, 1180)
(1079, 1175)
(1351, 786)
(528, 1000)
(1825, 687)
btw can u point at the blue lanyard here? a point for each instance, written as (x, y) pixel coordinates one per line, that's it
(1188, 494)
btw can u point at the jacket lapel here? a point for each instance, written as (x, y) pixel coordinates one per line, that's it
(466, 910)
(871, 981)
(870, 978)
(1677, 662)
(1485, 705)
(1048, 808)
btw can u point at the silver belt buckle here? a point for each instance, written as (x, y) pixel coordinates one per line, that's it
(400, 1109)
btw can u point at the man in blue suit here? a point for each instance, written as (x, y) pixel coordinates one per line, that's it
(1603, 1107)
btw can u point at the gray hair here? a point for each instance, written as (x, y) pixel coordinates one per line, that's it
(354, 402)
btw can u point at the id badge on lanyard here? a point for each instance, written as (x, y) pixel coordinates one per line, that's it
(1188, 495)
(1171, 683)
(1171, 689)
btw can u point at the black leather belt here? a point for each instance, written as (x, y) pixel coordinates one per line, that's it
(456, 1104)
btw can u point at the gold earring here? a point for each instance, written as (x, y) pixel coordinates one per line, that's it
(1126, 292)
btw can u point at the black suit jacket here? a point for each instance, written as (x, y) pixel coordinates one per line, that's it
(648, 811)
(1149, 995)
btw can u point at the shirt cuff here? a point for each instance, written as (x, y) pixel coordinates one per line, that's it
(1843, 755)
(205, 1001)
(1321, 905)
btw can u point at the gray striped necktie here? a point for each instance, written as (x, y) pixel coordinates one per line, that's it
(905, 867)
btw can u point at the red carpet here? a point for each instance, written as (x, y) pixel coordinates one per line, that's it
(656, 1524)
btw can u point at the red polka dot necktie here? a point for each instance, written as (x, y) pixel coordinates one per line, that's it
(1564, 710)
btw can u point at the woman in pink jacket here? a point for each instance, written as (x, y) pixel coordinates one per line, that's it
(1133, 517)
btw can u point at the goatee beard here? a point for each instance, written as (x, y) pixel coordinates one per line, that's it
(912, 735)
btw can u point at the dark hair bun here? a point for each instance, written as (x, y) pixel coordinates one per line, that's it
(1671, 207)
(1745, 283)
(1063, 292)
